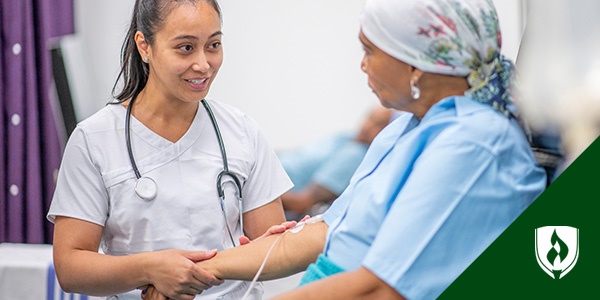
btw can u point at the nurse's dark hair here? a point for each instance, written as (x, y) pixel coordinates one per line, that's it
(148, 17)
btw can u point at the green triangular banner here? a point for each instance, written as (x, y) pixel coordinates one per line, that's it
(508, 269)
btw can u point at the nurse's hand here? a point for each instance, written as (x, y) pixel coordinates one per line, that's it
(175, 274)
(150, 293)
(273, 230)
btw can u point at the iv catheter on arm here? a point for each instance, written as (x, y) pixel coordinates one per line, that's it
(292, 253)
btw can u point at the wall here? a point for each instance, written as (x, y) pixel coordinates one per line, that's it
(291, 65)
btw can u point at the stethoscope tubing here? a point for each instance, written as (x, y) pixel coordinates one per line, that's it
(128, 139)
(225, 169)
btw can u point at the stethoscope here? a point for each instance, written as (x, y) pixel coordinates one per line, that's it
(147, 189)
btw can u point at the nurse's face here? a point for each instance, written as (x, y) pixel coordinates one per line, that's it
(187, 53)
(388, 77)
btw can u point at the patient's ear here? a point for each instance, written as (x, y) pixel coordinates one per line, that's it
(416, 73)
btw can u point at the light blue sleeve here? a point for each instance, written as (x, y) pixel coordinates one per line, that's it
(452, 206)
(335, 173)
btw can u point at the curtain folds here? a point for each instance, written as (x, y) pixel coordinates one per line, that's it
(31, 150)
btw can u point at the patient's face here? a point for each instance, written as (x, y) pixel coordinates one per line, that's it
(387, 76)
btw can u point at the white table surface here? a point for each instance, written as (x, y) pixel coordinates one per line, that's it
(27, 273)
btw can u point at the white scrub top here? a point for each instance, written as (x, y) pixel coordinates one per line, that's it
(96, 183)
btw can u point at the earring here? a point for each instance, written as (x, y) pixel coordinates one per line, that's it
(146, 59)
(415, 91)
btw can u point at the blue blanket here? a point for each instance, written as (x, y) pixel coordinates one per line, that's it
(322, 268)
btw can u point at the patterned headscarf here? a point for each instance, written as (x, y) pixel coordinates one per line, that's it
(451, 37)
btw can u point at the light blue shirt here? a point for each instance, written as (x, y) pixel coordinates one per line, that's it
(430, 197)
(329, 162)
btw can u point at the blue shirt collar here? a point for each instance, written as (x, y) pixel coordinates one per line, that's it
(462, 105)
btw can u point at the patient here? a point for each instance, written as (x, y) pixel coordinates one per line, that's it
(321, 170)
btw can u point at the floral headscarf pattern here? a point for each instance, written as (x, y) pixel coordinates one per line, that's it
(451, 37)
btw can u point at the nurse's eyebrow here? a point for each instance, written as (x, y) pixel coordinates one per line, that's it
(193, 37)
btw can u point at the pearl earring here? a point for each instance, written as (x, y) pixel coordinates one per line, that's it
(146, 59)
(415, 91)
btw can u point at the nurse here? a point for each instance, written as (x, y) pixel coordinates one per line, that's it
(437, 186)
(139, 178)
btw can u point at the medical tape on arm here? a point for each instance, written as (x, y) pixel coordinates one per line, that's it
(293, 230)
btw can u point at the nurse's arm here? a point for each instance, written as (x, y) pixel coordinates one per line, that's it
(359, 284)
(81, 269)
(261, 219)
(292, 254)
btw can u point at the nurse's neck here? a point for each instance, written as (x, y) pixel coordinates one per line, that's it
(162, 106)
(167, 117)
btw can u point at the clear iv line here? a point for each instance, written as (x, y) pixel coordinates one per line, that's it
(295, 229)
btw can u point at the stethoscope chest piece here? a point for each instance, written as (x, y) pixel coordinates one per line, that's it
(146, 188)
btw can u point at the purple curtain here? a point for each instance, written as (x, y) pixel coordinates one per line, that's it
(31, 150)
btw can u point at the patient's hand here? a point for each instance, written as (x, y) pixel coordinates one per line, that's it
(272, 230)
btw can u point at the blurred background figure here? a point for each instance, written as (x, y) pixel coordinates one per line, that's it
(321, 170)
(559, 63)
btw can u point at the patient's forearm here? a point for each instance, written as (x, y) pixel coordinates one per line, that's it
(356, 285)
(292, 253)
